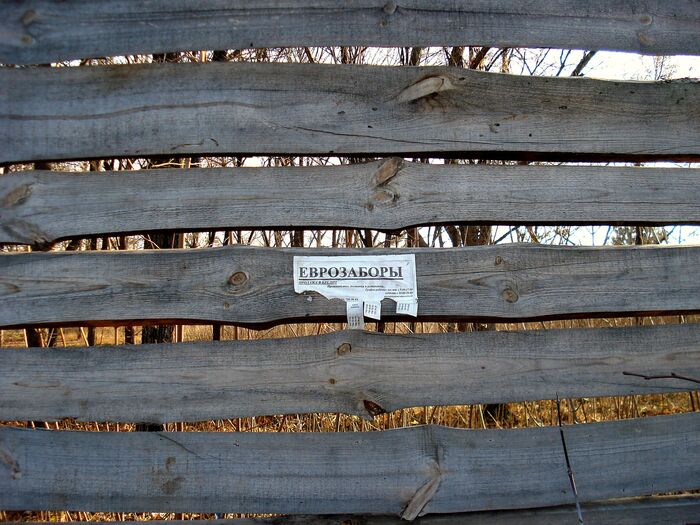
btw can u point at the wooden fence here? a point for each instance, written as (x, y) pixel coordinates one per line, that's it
(80, 113)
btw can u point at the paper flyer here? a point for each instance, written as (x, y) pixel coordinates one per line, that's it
(362, 282)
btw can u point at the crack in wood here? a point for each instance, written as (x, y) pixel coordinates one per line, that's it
(176, 442)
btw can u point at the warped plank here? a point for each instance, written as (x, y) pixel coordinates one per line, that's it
(48, 31)
(391, 194)
(629, 511)
(314, 109)
(354, 372)
(377, 472)
(513, 282)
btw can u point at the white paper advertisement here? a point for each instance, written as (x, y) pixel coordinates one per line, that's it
(362, 282)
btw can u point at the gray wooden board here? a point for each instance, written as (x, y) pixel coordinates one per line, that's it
(312, 109)
(670, 510)
(214, 380)
(508, 282)
(316, 473)
(42, 206)
(44, 31)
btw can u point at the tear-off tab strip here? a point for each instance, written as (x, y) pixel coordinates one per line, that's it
(407, 308)
(356, 319)
(373, 310)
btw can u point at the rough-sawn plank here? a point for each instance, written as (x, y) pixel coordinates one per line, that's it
(346, 472)
(44, 31)
(353, 372)
(39, 206)
(313, 109)
(514, 282)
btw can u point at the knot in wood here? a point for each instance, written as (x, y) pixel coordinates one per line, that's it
(344, 348)
(644, 38)
(238, 278)
(387, 170)
(424, 87)
(509, 295)
(372, 408)
(390, 7)
(384, 196)
(28, 17)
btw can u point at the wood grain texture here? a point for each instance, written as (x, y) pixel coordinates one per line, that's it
(672, 510)
(316, 473)
(312, 109)
(514, 282)
(203, 381)
(42, 31)
(42, 206)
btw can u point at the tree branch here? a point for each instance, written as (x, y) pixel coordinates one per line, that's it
(583, 63)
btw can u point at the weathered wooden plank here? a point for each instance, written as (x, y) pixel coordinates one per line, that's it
(312, 109)
(48, 30)
(353, 372)
(376, 472)
(514, 282)
(673, 510)
(42, 206)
